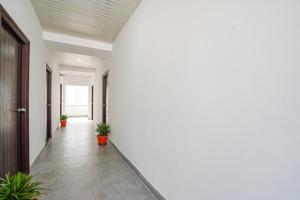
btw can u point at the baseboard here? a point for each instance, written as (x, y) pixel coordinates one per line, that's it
(56, 130)
(43, 149)
(150, 187)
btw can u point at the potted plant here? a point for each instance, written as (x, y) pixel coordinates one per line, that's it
(63, 120)
(20, 186)
(103, 130)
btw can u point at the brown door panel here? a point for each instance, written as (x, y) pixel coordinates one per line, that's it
(14, 97)
(9, 102)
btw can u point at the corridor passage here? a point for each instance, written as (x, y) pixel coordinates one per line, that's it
(74, 167)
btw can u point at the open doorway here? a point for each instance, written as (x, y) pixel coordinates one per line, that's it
(105, 97)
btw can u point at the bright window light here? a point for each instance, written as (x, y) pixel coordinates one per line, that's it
(77, 95)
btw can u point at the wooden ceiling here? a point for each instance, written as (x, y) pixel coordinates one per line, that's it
(92, 19)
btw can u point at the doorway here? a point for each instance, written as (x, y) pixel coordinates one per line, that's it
(48, 105)
(105, 97)
(14, 93)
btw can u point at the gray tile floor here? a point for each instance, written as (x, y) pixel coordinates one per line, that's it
(75, 167)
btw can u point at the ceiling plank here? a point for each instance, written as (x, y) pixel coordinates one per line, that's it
(100, 20)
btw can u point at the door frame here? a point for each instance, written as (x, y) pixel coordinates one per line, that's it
(5, 18)
(60, 99)
(92, 103)
(49, 101)
(104, 93)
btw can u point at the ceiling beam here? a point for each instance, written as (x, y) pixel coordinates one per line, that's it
(75, 41)
(77, 69)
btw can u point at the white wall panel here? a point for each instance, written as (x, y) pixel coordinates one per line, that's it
(204, 98)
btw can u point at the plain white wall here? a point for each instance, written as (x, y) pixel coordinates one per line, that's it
(204, 98)
(77, 80)
(24, 15)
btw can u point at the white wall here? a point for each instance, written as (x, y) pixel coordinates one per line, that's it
(205, 98)
(24, 15)
(77, 80)
(98, 93)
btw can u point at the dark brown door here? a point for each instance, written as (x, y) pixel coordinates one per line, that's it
(14, 97)
(49, 80)
(9, 101)
(60, 99)
(104, 96)
(92, 104)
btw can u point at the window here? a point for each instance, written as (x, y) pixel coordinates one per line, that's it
(76, 100)
(77, 95)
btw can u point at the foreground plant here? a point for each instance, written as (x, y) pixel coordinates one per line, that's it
(19, 187)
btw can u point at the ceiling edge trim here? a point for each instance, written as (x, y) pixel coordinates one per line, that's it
(66, 39)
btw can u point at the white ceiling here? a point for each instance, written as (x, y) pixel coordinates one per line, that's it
(93, 19)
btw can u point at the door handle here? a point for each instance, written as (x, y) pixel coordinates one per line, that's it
(48, 105)
(21, 110)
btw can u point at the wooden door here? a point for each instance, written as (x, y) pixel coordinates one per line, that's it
(9, 101)
(104, 97)
(92, 103)
(14, 97)
(49, 80)
(60, 99)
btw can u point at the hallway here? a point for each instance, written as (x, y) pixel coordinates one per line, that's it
(73, 166)
(201, 99)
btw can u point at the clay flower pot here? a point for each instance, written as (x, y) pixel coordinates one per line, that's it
(63, 123)
(102, 139)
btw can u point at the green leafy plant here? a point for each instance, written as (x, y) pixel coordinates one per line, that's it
(19, 187)
(63, 117)
(103, 129)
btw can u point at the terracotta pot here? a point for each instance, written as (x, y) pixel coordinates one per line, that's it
(63, 123)
(102, 139)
